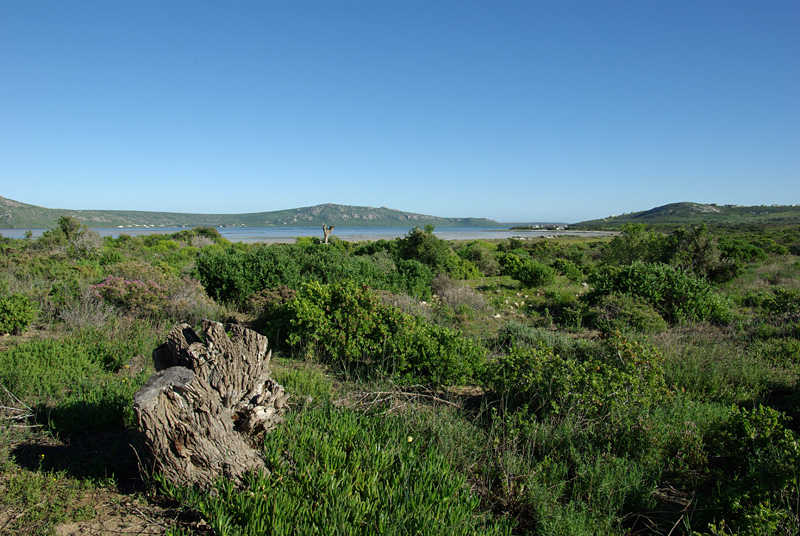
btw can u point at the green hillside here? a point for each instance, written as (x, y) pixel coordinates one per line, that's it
(16, 215)
(696, 213)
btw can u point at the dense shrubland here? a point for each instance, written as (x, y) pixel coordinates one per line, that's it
(640, 384)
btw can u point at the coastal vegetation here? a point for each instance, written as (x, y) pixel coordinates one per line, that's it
(645, 383)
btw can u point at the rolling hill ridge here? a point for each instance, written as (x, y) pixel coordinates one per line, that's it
(17, 215)
(696, 213)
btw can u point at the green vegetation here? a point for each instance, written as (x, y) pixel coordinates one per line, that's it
(349, 473)
(642, 384)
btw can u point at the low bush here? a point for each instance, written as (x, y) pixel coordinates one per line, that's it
(456, 294)
(349, 325)
(561, 307)
(509, 263)
(568, 269)
(483, 256)
(678, 296)
(141, 298)
(621, 312)
(17, 311)
(635, 243)
(411, 277)
(741, 250)
(232, 274)
(533, 274)
(515, 334)
(754, 460)
(626, 374)
(437, 254)
(147, 291)
(779, 304)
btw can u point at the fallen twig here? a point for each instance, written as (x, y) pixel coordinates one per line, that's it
(371, 398)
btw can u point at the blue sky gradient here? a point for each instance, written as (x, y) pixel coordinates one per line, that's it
(515, 111)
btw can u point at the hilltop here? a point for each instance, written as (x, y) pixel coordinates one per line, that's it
(696, 213)
(17, 215)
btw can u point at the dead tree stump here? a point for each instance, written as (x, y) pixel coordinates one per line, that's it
(203, 414)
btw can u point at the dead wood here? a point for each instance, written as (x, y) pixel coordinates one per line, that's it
(204, 413)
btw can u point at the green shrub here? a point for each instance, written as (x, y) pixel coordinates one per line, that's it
(221, 271)
(568, 269)
(509, 263)
(199, 236)
(232, 274)
(563, 308)
(17, 311)
(110, 256)
(678, 296)
(141, 298)
(621, 312)
(64, 292)
(696, 250)
(437, 254)
(483, 256)
(534, 274)
(779, 304)
(413, 278)
(627, 374)
(755, 461)
(423, 246)
(341, 323)
(577, 254)
(636, 242)
(741, 250)
(437, 354)
(514, 334)
(349, 325)
(155, 292)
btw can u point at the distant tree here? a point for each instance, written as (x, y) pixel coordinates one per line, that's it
(70, 226)
(636, 242)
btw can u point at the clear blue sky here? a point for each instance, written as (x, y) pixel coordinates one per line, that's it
(511, 110)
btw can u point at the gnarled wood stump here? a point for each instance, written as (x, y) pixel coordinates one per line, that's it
(204, 412)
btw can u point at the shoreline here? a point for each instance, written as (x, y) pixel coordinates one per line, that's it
(282, 235)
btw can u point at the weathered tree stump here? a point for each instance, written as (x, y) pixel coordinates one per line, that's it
(205, 411)
(327, 232)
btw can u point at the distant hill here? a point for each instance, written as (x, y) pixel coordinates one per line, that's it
(696, 213)
(16, 215)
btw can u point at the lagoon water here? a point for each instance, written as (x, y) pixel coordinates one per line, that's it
(351, 234)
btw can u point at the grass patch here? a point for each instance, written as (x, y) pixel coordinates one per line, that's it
(336, 471)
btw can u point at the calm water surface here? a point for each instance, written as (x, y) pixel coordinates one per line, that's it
(352, 234)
